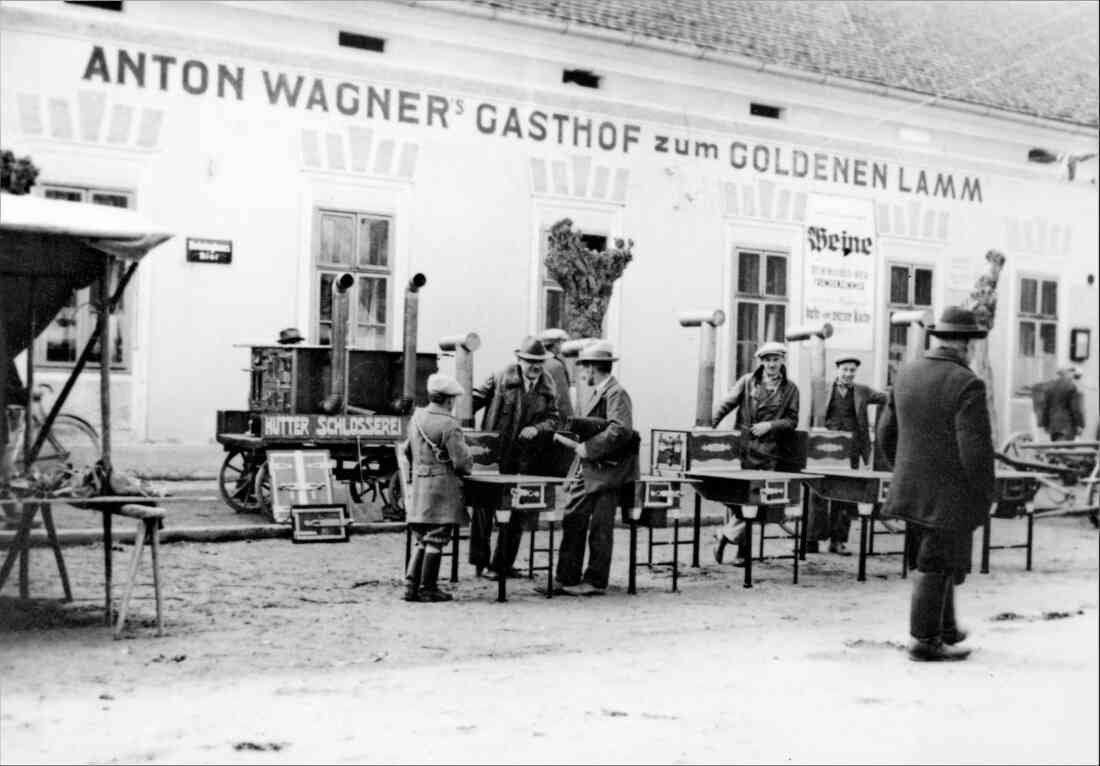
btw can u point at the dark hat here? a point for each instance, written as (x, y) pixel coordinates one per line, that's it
(853, 359)
(532, 350)
(957, 322)
(290, 335)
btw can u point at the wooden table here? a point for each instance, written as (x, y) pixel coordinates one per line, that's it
(864, 488)
(655, 501)
(149, 517)
(532, 497)
(1014, 491)
(772, 492)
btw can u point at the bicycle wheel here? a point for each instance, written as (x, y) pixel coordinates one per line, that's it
(72, 443)
(236, 482)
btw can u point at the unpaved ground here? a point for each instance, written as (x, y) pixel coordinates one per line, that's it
(283, 653)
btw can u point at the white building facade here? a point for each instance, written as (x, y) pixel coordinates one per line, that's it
(254, 135)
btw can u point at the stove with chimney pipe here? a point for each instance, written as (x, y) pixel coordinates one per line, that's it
(353, 402)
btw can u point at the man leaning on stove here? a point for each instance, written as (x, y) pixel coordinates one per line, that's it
(845, 410)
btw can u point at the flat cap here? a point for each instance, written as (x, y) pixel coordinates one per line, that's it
(438, 383)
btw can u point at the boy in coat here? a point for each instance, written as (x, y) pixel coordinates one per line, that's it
(438, 456)
(604, 464)
(937, 433)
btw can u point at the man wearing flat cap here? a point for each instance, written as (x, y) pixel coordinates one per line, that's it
(604, 464)
(437, 454)
(937, 434)
(845, 410)
(520, 403)
(766, 401)
(1061, 414)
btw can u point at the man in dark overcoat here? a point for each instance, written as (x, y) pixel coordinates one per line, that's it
(520, 403)
(936, 432)
(604, 464)
(845, 410)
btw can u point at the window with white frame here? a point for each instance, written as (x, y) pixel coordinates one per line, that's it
(1037, 328)
(552, 310)
(61, 343)
(360, 244)
(910, 289)
(760, 298)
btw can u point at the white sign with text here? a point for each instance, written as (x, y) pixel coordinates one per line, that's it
(840, 269)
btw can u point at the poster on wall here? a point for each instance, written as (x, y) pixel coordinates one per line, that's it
(840, 269)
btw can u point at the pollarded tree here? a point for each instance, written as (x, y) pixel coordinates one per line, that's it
(983, 302)
(16, 175)
(586, 277)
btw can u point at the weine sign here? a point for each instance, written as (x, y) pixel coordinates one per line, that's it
(840, 268)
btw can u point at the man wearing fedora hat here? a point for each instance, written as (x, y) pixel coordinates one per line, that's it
(438, 456)
(937, 434)
(520, 404)
(845, 410)
(604, 464)
(290, 336)
(767, 416)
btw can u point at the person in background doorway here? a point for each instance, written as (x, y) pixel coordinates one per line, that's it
(845, 410)
(767, 415)
(437, 454)
(604, 464)
(1063, 416)
(520, 403)
(936, 432)
(555, 367)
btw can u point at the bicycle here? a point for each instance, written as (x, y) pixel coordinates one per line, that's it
(72, 443)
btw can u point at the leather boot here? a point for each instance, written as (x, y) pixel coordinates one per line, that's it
(952, 633)
(720, 544)
(926, 611)
(412, 575)
(429, 590)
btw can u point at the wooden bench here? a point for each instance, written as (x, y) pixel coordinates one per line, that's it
(149, 519)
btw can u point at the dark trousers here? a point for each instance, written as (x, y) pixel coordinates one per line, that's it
(832, 524)
(481, 535)
(590, 515)
(432, 535)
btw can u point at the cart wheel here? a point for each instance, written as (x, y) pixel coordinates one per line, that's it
(262, 489)
(236, 482)
(393, 504)
(1011, 446)
(360, 490)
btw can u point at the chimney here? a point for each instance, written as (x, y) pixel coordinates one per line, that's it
(816, 334)
(463, 347)
(412, 311)
(336, 401)
(709, 321)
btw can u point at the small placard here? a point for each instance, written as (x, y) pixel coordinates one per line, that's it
(319, 523)
(774, 492)
(526, 496)
(659, 494)
(883, 490)
(668, 452)
(209, 250)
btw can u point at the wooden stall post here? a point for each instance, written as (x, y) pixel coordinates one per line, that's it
(708, 322)
(463, 347)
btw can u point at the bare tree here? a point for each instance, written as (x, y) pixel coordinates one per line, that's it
(586, 277)
(983, 302)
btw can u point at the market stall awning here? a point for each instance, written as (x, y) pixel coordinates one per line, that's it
(48, 248)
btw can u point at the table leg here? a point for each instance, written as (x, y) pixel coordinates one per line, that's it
(108, 542)
(51, 533)
(1030, 537)
(871, 536)
(550, 564)
(806, 506)
(455, 539)
(633, 560)
(797, 538)
(19, 542)
(862, 575)
(408, 546)
(153, 530)
(24, 571)
(649, 551)
(675, 553)
(985, 544)
(906, 542)
(531, 554)
(748, 559)
(135, 563)
(697, 523)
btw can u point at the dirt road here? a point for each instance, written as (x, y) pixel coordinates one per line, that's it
(305, 654)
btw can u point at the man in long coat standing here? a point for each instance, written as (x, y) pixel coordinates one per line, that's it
(937, 433)
(520, 403)
(604, 464)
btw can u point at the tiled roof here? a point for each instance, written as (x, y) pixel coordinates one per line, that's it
(1035, 58)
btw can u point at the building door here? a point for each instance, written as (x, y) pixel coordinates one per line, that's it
(910, 288)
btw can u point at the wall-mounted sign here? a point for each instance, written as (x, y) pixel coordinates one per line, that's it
(840, 268)
(1080, 339)
(209, 250)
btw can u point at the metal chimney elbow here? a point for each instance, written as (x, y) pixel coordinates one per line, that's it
(343, 283)
(418, 280)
